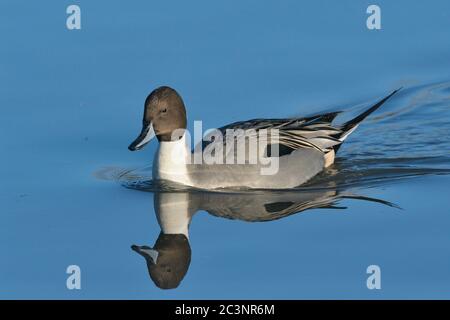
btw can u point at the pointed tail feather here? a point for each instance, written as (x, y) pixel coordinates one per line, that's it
(351, 125)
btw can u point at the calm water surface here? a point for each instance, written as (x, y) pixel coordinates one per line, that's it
(71, 192)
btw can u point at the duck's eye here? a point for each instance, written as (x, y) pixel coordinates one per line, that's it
(164, 110)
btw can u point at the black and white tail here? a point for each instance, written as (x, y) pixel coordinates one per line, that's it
(348, 127)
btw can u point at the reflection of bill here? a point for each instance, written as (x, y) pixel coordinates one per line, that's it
(169, 259)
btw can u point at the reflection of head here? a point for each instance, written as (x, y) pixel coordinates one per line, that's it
(168, 261)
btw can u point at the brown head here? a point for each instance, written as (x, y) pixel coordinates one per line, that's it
(164, 115)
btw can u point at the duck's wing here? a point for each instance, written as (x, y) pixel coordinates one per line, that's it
(286, 123)
(315, 132)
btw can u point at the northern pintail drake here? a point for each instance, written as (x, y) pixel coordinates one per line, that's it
(289, 152)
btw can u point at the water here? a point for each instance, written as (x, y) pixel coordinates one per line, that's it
(71, 192)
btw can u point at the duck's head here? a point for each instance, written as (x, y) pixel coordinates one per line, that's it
(164, 117)
(168, 261)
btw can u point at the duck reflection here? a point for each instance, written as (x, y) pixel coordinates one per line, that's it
(168, 260)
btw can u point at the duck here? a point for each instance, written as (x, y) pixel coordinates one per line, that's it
(289, 151)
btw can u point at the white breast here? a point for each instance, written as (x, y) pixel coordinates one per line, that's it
(171, 161)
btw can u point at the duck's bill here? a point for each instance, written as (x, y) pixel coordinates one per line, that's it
(146, 135)
(148, 253)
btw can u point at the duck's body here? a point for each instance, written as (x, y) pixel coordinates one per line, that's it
(294, 151)
(293, 169)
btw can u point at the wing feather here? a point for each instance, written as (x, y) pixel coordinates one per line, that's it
(308, 132)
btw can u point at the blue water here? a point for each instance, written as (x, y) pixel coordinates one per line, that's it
(71, 102)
